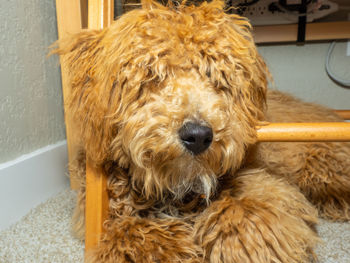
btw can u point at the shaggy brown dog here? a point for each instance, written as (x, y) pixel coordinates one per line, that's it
(167, 99)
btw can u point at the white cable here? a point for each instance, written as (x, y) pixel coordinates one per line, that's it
(334, 77)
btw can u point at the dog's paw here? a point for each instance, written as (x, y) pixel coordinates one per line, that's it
(268, 221)
(134, 240)
(248, 231)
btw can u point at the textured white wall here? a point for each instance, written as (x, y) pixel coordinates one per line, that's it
(31, 112)
(300, 70)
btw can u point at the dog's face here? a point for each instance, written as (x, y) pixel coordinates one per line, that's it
(171, 94)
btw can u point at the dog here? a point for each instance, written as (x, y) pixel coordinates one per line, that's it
(166, 101)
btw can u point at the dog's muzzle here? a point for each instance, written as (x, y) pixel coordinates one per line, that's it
(196, 138)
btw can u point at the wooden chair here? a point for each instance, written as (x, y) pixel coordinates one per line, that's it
(72, 16)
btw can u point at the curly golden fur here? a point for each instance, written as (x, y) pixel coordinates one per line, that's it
(135, 84)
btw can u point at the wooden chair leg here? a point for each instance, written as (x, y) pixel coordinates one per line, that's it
(96, 206)
(100, 15)
(68, 22)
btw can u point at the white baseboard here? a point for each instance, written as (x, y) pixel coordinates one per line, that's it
(30, 180)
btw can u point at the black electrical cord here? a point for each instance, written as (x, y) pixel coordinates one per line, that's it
(341, 81)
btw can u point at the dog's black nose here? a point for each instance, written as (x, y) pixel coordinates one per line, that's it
(196, 138)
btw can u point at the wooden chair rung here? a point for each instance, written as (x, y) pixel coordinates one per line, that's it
(304, 132)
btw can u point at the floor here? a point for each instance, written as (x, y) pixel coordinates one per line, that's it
(44, 236)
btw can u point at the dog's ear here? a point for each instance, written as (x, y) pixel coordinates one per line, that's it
(81, 54)
(106, 76)
(234, 62)
(251, 72)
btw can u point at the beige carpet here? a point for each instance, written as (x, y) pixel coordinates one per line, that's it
(43, 236)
